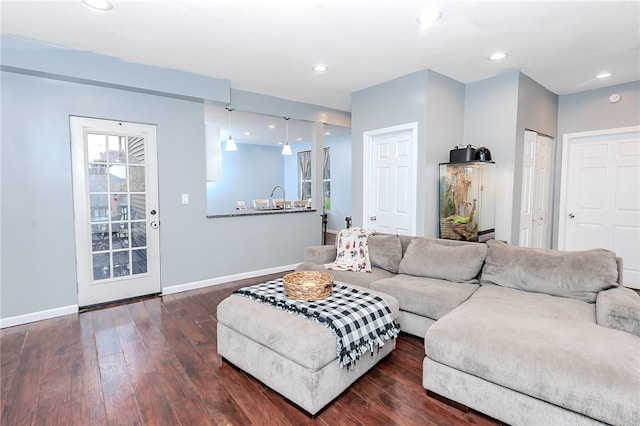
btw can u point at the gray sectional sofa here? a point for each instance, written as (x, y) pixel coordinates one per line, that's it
(527, 336)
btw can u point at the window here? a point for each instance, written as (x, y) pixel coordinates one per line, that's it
(304, 171)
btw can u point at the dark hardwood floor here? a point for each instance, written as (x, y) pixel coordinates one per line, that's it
(154, 362)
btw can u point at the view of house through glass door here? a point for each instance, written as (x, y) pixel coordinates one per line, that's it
(116, 209)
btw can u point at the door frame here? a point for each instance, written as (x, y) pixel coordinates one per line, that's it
(82, 229)
(368, 140)
(568, 140)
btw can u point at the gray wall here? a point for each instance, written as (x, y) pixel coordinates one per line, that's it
(340, 181)
(247, 174)
(491, 108)
(37, 238)
(433, 101)
(591, 110)
(38, 264)
(537, 111)
(497, 112)
(445, 129)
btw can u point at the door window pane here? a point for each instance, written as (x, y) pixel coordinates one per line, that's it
(116, 170)
(97, 148)
(120, 263)
(117, 153)
(136, 179)
(118, 178)
(139, 261)
(100, 237)
(137, 207)
(136, 150)
(119, 235)
(101, 266)
(138, 234)
(99, 205)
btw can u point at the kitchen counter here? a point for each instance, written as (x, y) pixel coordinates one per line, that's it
(261, 212)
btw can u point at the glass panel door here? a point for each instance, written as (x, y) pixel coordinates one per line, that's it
(116, 203)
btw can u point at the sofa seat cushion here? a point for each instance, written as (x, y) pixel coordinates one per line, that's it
(298, 339)
(363, 279)
(427, 297)
(543, 346)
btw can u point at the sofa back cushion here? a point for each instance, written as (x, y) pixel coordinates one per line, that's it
(385, 251)
(427, 257)
(576, 274)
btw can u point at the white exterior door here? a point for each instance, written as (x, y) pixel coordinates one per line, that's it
(600, 196)
(536, 191)
(390, 180)
(115, 189)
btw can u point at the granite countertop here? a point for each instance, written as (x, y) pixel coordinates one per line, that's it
(253, 212)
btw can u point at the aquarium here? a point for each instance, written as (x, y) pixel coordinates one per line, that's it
(467, 205)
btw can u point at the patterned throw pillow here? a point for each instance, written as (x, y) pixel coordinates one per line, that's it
(353, 253)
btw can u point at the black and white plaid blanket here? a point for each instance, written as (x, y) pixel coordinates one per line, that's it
(360, 321)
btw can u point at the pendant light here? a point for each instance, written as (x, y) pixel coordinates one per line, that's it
(286, 149)
(231, 144)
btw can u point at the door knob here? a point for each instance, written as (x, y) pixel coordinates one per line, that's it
(571, 215)
(373, 218)
(155, 224)
(152, 212)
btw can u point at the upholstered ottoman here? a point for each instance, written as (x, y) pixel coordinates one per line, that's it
(292, 355)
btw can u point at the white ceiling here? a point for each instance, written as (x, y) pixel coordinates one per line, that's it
(266, 129)
(269, 47)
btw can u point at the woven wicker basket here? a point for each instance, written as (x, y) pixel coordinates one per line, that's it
(308, 285)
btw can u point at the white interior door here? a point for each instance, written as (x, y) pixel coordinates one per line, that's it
(115, 189)
(536, 191)
(390, 180)
(600, 195)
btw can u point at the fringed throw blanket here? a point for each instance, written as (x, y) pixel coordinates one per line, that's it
(352, 251)
(360, 321)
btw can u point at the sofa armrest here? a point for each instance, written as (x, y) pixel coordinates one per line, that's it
(619, 308)
(320, 254)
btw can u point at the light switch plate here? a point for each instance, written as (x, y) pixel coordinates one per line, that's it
(185, 198)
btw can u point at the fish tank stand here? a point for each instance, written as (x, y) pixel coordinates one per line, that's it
(467, 201)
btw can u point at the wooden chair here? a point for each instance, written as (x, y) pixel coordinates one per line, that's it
(241, 205)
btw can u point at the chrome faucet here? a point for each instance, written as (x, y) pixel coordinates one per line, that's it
(284, 196)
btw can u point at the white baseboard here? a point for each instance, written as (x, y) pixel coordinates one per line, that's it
(72, 309)
(38, 316)
(223, 280)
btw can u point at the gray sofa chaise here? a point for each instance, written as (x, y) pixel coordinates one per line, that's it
(527, 336)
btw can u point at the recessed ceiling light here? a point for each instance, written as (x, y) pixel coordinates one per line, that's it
(271, 126)
(320, 68)
(603, 75)
(429, 17)
(327, 133)
(98, 4)
(247, 133)
(498, 56)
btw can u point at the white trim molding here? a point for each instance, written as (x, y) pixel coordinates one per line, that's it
(38, 316)
(73, 309)
(226, 279)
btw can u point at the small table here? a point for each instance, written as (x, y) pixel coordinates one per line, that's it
(294, 356)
